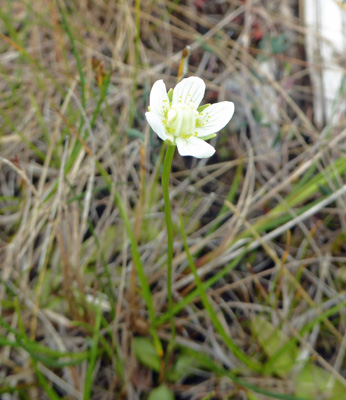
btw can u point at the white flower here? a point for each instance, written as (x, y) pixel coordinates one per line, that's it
(177, 117)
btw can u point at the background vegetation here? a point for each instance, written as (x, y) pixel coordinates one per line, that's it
(259, 229)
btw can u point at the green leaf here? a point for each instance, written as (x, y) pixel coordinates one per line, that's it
(170, 95)
(313, 382)
(219, 371)
(251, 396)
(161, 393)
(212, 135)
(281, 352)
(202, 108)
(182, 368)
(279, 44)
(146, 353)
(135, 133)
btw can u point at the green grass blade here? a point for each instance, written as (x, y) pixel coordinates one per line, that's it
(206, 285)
(51, 393)
(75, 53)
(89, 377)
(146, 293)
(248, 361)
(203, 358)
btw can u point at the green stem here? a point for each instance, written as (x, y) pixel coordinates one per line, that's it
(168, 215)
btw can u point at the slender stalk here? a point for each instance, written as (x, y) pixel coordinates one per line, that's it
(168, 215)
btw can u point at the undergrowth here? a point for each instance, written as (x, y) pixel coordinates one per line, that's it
(259, 229)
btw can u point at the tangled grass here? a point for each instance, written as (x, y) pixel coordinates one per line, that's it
(259, 229)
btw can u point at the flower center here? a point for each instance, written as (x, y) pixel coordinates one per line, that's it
(181, 119)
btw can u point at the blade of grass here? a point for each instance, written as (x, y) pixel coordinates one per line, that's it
(136, 62)
(41, 353)
(51, 393)
(220, 371)
(89, 377)
(146, 293)
(230, 196)
(75, 53)
(206, 285)
(320, 319)
(246, 360)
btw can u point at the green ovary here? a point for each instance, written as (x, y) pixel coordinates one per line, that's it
(181, 120)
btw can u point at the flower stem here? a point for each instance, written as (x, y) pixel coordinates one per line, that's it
(168, 215)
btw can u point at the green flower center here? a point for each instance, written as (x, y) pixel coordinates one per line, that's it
(181, 119)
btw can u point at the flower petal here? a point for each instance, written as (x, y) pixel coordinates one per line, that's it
(214, 118)
(158, 98)
(189, 89)
(156, 124)
(194, 147)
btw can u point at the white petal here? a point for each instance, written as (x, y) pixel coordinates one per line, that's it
(214, 118)
(194, 147)
(189, 89)
(158, 98)
(156, 124)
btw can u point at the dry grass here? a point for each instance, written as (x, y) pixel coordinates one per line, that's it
(264, 218)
